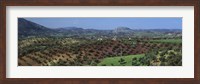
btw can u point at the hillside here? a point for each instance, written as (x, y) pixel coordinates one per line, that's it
(28, 28)
(76, 46)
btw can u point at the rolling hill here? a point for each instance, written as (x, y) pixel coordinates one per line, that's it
(28, 28)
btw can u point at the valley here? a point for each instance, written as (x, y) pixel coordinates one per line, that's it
(74, 46)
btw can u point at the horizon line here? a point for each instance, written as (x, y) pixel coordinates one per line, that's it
(103, 28)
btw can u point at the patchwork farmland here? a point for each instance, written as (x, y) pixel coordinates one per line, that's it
(83, 47)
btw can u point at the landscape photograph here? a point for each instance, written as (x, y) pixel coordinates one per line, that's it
(99, 41)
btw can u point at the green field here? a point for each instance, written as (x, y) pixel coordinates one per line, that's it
(167, 41)
(114, 61)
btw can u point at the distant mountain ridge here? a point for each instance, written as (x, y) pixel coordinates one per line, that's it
(70, 28)
(122, 30)
(28, 28)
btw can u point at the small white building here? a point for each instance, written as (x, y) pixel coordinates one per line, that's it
(99, 39)
(114, 38)
(169, 34)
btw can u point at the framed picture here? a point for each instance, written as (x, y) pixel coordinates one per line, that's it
(91, 41)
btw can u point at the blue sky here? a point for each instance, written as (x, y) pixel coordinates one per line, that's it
(110, 23)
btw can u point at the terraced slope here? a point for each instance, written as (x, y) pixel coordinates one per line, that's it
(71, 52)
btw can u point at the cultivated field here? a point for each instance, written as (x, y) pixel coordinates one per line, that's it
(41, 46)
